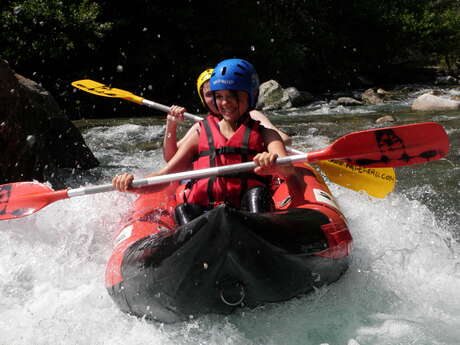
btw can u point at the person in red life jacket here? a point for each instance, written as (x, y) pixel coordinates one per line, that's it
(235, 138)
(176, 115)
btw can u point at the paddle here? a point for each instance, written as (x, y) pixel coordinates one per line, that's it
(376, 182)
(100, 89)
(383, 147)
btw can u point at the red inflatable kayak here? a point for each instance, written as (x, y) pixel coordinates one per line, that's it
(227, 258)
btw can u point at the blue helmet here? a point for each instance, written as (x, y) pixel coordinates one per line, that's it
(236, 74)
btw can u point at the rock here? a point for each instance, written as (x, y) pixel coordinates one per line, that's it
(385, 119)
(270, 92)
(272, 96)
(437, 92)
(382, 92)
(298, 98)
(348, 101)
(428, 101)
(35, 136)
(446, 80)
(372, 97)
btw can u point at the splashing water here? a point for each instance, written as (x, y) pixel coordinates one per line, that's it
(401, 287)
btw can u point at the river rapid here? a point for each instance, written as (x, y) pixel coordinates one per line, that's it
(402, 286)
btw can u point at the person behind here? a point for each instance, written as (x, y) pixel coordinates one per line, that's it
(234, 138)
(176, 115)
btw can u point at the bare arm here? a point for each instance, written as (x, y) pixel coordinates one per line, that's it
(264, 121)
(170, 140)
(170, 143)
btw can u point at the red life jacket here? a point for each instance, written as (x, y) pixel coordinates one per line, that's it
(216, 150)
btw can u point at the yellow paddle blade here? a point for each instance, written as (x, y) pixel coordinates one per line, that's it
(99, 89)
(377, 182)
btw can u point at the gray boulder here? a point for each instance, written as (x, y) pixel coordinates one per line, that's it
(348, 101)
(370, 96)
(446, 80)
(272, 96)
(298, 98)
(429, 101)
(35, 136)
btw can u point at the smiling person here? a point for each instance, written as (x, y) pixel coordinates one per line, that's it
(176, 115)
(233, 137)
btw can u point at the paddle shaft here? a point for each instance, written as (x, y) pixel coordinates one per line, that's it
(202, 173)
(166, 109)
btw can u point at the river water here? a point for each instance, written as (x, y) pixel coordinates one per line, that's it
(402, 286)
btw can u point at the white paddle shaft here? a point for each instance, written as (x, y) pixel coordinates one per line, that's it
(166, 109)
(202, 173)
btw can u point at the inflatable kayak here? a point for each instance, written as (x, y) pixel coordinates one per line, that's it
(227, 258)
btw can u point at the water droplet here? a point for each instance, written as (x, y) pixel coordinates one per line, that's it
(253, 48)
(119, 68)
(31, 140)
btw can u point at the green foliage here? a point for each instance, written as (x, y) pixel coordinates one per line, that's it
(50, 30)
(157, 48)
